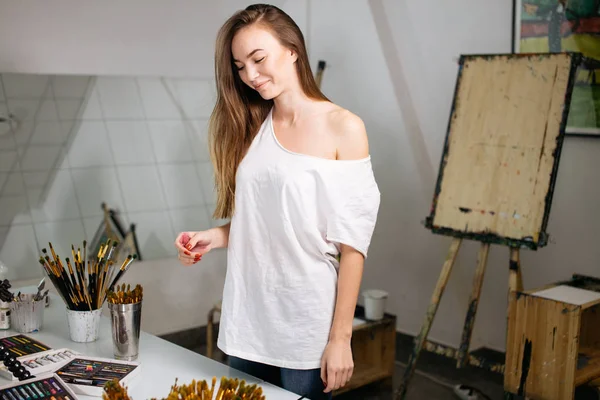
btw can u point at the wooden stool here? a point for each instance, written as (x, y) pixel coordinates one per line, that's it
(553, 341)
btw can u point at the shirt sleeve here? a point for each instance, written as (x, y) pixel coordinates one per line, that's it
(355, 206)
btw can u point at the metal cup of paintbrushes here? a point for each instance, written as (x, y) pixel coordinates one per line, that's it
(126, 322)
(27, 313)
(126, 317)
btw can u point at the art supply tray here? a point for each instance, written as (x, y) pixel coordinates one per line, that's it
(45, 362)
(22, 345)
(88, 375)
(45, 387)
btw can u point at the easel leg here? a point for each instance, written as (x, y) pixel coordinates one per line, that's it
(433, 306)
(515, 280)
(463, 351)
(209, 334)
(515, 284)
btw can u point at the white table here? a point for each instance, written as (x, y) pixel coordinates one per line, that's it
(161, 361)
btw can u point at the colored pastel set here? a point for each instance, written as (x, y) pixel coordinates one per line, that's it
(66, 371)
(47, 387)
(88, 375)
(21, 345)
(42, 363)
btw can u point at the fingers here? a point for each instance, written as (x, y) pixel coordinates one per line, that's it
(323, 372)
(192, 242)
(182, 239)
(347, 376)
(191, 257)
(331, 379)
(188, 259)
(343, 378)
(336, 377)
(184, 255)
(338, 380)
(185, 237)
(182, 243)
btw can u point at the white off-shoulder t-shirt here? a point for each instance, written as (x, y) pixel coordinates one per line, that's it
(291, 213)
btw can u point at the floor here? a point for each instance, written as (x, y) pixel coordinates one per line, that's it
(433, 380)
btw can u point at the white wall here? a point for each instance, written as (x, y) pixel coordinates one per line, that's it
(393, 63)
(137, 37)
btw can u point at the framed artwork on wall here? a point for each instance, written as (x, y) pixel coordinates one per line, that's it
(553, 26)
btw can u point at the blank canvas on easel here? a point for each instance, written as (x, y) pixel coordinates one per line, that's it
(502, 148)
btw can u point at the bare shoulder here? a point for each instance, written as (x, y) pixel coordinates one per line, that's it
(350, 134)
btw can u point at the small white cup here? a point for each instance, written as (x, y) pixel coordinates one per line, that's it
(84, 325)
(375, 301)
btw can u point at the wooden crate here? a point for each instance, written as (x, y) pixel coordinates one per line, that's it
(553, 341)
(374, 351)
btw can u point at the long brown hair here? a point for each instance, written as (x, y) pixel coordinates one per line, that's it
(239, 110)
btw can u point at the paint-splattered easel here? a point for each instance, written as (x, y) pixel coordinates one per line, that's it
(498, 169)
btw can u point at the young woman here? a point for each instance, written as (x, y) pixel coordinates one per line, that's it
(293, 172)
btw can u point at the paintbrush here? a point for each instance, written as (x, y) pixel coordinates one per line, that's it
(57, 284)
(83, 284)
(110, 263)
(229, 389)
(124, 267)
(59, 271)
(124, 295)
(80, 269)
(39, 290)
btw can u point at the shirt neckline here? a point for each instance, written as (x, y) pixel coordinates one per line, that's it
(325, 160)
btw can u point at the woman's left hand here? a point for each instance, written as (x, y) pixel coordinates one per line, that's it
(336, 364)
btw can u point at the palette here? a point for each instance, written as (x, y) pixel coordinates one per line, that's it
(88, 375)
(21, 345)
(47, 387)
(42, 363)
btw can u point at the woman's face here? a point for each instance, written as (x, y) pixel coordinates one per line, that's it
(262, 62)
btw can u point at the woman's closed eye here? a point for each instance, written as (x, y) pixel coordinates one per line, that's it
(256, 61)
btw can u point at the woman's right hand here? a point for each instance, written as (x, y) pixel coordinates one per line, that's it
(191, 246)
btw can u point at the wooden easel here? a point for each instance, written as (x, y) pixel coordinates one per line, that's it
(498, 169)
